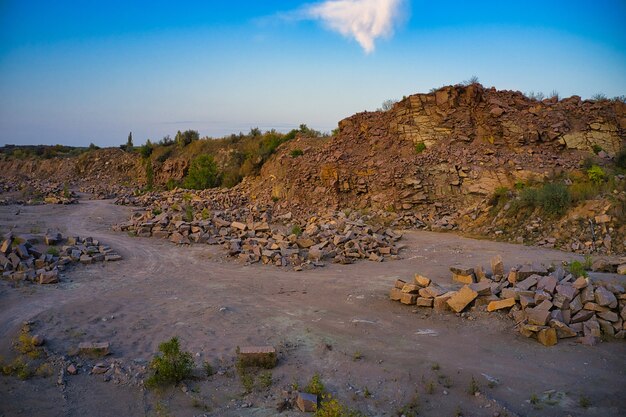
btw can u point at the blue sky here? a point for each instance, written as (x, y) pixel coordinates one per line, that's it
(91, 71)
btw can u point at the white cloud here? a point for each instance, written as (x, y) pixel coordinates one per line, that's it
(363, 20)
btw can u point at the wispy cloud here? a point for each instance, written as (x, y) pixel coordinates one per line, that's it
(363, 20)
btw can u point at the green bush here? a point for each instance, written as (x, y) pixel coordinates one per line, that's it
(296, 153)
(203, 173)
(171, 184)
(596, 149)
(420, 147)
(554, 199)
(171, 366)
(528, 197)
(582, 191)
(596, 174)
(577, 269)
(315, 386)
(499, 196)
(296, 230)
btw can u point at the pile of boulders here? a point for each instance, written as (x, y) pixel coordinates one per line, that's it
(245, 231)
(546, 305)
(40, 258)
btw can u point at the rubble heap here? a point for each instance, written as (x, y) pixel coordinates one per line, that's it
(39, 259)
(546, 305)
(222, 218)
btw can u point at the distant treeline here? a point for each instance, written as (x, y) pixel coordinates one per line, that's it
(41, 151)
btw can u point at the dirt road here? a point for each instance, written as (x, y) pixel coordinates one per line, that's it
(374, 355)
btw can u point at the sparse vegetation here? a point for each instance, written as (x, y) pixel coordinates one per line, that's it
(412, 408)
(584, 402)
(53, 250)
(296, 230)
(296, 153)
(331, 407)
(170, 366)
(315, 386)
(420, 147)
(554, 199)
(208, 368)
(265, 379)
(357, 356)
(473, 387)
(577, 269)
(596, 174)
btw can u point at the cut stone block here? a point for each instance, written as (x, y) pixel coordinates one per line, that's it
(497, 267)
(307, 403)
(538, 316)
(547, 337)
(462, 299)
(399, 284)
(261, 356)
(408, 299)
(463, 279)
(411, 288)
(482, 288)
(94, 348)
(424, 302)
(395, 294)
(499, 305)
(422, 281)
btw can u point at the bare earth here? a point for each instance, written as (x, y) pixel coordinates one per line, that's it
(319, 320)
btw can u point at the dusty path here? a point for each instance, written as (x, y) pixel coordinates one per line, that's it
(320, 320)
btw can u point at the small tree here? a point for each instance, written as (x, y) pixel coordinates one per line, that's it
(129, 142)
(171, 366)
(185, 138)
(203, 173)
(146, 149)
(388, 104)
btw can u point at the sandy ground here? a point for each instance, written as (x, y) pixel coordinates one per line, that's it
(319, 320)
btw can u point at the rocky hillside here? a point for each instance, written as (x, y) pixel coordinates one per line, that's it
(441, 159)
(485, 162)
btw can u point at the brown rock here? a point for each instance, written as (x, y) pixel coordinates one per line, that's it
(497, 267)
(408, 299)
(395, 294)
(498, 305)
(528, 283)
(462, 299)
(422, 281)
(71, 369)
(307, 403)
(547, 284)
(432, 291)
(605, 297)
(440, 302)
(411, 288)
(424, 302)
(482, 288)
(464, 279)
(538, 316)
(582, 315)
(94, 348)
(399, 284)
(260, 356)
(547, 337)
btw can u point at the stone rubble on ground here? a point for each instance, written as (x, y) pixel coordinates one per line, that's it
(546, 305)
(221, 218)
(40, 258)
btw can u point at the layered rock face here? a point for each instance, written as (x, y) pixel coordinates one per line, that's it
(437, 158)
